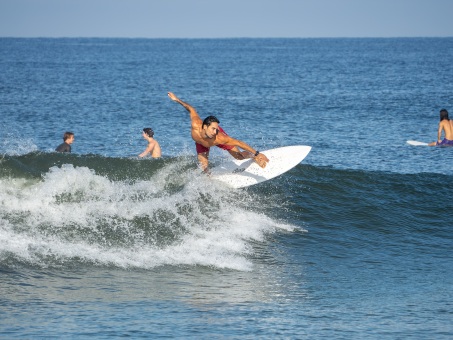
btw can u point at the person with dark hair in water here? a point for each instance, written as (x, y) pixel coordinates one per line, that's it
(207, 133)
(68, 139)
(445, 125)
(153, 147)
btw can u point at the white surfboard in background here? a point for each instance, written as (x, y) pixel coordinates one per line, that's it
(416, 143)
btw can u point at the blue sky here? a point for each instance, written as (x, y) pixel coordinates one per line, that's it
(226, 18)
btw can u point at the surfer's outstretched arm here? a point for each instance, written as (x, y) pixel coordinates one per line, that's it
(188, 107)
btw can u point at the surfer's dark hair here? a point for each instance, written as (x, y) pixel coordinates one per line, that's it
(67, 135)
(443, 115)
(209, 120)
(149, 132)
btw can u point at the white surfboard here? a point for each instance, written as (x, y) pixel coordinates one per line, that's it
(242, 173)
(416, 143)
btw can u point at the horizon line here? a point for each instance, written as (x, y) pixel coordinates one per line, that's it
(206, 38)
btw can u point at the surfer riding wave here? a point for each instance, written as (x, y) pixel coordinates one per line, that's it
(207, 133)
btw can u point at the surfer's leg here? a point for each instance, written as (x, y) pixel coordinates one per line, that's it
(203, 156)
(203, 160)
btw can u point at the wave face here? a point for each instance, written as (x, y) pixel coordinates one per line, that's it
(63, 210)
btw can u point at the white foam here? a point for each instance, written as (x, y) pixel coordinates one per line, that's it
(16, 146)
(73, 214)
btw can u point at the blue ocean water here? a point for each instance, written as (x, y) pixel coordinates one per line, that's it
(353, 243)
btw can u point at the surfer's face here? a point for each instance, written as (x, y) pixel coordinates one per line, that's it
(212, 130)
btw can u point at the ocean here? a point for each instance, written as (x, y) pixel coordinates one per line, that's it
(353, 243)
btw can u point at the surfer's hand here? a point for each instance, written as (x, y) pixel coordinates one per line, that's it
(172, 96)
(261, 159)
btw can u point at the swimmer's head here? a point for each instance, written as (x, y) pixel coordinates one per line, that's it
(443, 114)
(149, 132)
(67, 135)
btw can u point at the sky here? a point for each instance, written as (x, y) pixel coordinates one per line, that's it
(226, 18)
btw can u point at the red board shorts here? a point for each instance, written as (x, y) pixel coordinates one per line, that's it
(202, 149)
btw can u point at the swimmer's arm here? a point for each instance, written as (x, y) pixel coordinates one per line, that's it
(149, 149)
(188, 107)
